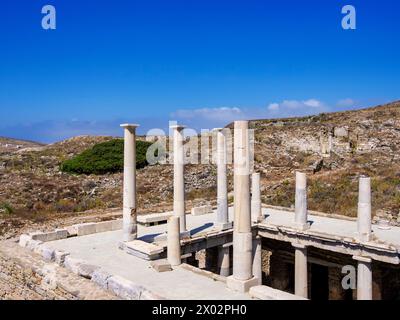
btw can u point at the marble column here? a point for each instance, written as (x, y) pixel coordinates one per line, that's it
(222, 221)
(364, 209)
(173, 242)
(364, 278)
(129, 192)
(179, 179)
(223, 261)
(257, 259)
(242, 278)
(301, 201)
(300, 271)
(256, 213)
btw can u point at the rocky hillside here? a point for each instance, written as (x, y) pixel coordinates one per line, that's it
(333, 148)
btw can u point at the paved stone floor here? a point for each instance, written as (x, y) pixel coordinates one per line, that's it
(101, 249)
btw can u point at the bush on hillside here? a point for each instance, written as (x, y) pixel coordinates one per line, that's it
(106, 157)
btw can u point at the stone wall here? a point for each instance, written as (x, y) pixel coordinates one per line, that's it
(25, 276)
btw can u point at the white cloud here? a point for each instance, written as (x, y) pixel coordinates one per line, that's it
(296, 107)
(273, 107)
(346, 103)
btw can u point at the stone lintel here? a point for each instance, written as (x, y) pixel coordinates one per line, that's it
(362, 259)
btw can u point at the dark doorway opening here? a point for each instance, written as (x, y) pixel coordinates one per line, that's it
(319, 282)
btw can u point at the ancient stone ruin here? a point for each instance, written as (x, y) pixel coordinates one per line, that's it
(244, 251)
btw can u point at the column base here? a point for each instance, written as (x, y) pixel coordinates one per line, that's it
(241, 285)
(301, 226)
(221, 226)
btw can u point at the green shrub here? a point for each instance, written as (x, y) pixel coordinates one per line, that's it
(6, 208)
(106, 157)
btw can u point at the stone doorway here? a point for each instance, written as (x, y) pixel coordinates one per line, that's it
(319, 282)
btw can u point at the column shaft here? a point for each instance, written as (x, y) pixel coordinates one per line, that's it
(364, 209)
(173, 242)
(301, 200)
(242, 237)
(179, 180)
(129, 191)
(364, 278)
(257, 259)
(301, 272)
(223, 261)
(256, 214)
(222, 188)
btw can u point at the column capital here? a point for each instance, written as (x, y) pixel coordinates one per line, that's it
(178, 126)
(362, 259)
(129, 125)
(299, 245)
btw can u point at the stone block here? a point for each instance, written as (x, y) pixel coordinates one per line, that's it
(23, 240)
(268, 293)
(48, 253)
(72, 230)
(197, 211)
(148, 219)
(33, 244)
(144, 250)
(84, 229)
(49, 236)
(241, 285)
(59, 256)
(73, 264)
(116, 224)
(100, 277)
(86, 270)
(124, 288)
(223, 226)
(104, 226)
(161, 265)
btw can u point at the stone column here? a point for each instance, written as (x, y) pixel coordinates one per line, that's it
(129, 192)
(242, 278)
(364, 209)
(173, 243)
(256, 213)
(301, 201)
(179, 179)
(223, 261)
(257, 259)
(300, 271)
(364, 278)
(222, 222)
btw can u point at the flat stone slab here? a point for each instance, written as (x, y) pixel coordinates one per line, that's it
(268, 293)
(154, 218)
(161, 265)
(197, 211)
(142, 249)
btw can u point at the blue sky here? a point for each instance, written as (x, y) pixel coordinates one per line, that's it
(203, 63)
